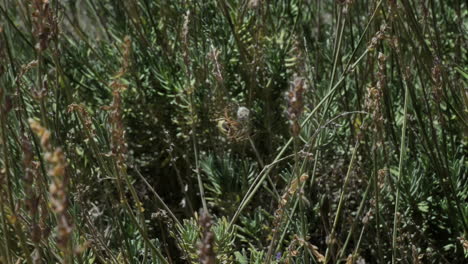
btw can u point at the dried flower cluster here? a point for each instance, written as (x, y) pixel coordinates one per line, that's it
(24, 70)
(206, 246)
(126, 60)
(186, 44)
(84, 115)
(32, 198)
(297, 241)
(295, 98)
(373, 102)
(381, 78)
(118, 143)
(58, 188)
(374, 96)
(298, 60)
(381, 174)
(379, 35)
(45, 24)
(437, 80)
(292, 189)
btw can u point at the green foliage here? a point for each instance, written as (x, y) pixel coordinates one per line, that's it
(118, 124)
(227, 180)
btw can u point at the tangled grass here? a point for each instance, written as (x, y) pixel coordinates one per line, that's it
(224, 131)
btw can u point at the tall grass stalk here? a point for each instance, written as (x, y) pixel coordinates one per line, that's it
(400, 173)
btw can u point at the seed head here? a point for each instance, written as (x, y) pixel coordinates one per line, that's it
(296, 103)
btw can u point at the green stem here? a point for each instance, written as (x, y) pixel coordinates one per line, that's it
(341, 202)
(400, 172)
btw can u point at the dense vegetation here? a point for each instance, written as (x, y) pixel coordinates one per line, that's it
(233, 131)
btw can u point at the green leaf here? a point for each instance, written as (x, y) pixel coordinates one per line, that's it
(240, 258)
(423, 207)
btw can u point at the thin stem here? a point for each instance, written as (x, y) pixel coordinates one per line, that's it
(400, 173)
(341, 202)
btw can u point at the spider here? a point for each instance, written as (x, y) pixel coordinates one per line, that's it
(231, 128)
